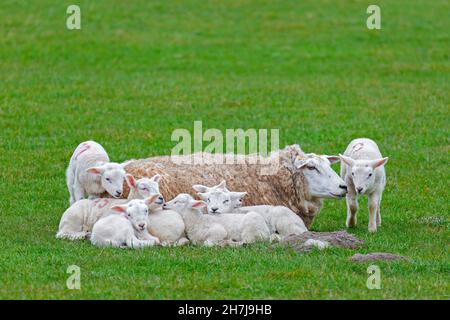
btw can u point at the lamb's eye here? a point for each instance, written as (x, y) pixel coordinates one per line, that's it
(129, 215)
(370, 175)
(208, 201)
(311, 167)
(353, 174)
(225, 201)
(108, 179)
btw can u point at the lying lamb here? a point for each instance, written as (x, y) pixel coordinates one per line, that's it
(280, 219)
(90, 173)
(363, 170)
(210, 230)
(78, 220)
(300, 182)
(126, 230)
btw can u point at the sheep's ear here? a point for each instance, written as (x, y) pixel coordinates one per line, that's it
(95, 170)
(124, 164)
(222, 185)
(379, 162)
(333, 159)
(347, 160)
(198, 204)
(131, 181)
(156, 178)
(237, 195)
(202, 195)
(151, 199)
(200, 188)
(299, 162)
(119, 208)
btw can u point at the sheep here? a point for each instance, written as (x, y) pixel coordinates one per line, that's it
(166, 225)
(77, 221)
(280, 220)
(300, 182)
(209, 230)
(362, 168)
(90, 173)
(125, 230)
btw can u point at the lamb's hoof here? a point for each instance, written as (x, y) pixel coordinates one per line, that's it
(350, 223)
(275, 238)
(372, 229)
(88, 236)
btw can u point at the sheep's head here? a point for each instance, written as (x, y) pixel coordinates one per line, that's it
(222, 201)
(182, 202)
(136, 211)
(362, 172)
(144, 187)
(323, 181)
(112, 176)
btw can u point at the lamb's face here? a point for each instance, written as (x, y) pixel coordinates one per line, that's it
(148, 186)
(362, 173)
(179, 203)
(217, 201)
(323, 181)
(137, 213)
(112, 177)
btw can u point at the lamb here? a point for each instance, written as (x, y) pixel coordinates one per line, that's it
(363, 170)
(166, 225)
(280, 220)
(77, 221)
(90, 173)
(300, 181)
(125, 230)
(209, 230)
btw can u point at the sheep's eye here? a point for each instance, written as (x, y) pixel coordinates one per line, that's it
(370, 175)
(129, 215)
(208, 201)
(311, 168)
(108, 179)
(353, 174)
(225, 201)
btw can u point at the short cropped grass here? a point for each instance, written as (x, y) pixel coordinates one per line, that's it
(140, 69)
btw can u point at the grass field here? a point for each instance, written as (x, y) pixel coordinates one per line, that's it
(138, 70)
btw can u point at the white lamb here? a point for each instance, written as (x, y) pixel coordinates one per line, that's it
(280, 220)
(363, 170)
(125, 230)
(90, 173)
(77, 221)
(210, 230)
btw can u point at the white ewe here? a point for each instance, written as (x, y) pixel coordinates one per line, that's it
(233, 229)
(125, 230)
(280, 219)
(90, 173)
(362, 167)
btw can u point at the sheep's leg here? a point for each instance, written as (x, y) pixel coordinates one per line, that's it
(379, 213)
(374, 201)
(134, 242)
(181, 242)
(78, 192)
(81, 235)
(352, 209)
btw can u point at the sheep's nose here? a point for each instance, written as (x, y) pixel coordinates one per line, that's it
(118, 193)
(142, 225)
(359, 189)
(214, 209)
(343, 186)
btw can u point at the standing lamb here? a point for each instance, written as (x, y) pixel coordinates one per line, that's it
(280, 220)
(90, 173)
(363, 170)
(210, 230)
(300, 181)
(125, 230)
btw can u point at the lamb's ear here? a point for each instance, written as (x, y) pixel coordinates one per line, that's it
(202, 195)
(200, 188)
(347, 160)
(131, 181)
(95, 170)
(333, 159)
(124, 164)
(156, 178)
(237, 195)
(198, 204)
(379, 162)
(151, 199)
(300, 162)
(119, 208)
(222, 185)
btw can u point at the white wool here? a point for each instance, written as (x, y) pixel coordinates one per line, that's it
(317, 243)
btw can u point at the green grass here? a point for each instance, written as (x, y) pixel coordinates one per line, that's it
(138, 70)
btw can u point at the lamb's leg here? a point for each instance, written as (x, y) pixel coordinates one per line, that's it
(79, 235)
(78, 191)
(181, 242)
(352, 208)
(379, 213)
(374, 201)
(70, 182)
(134, 242)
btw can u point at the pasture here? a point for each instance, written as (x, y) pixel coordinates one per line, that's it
(138, 70)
